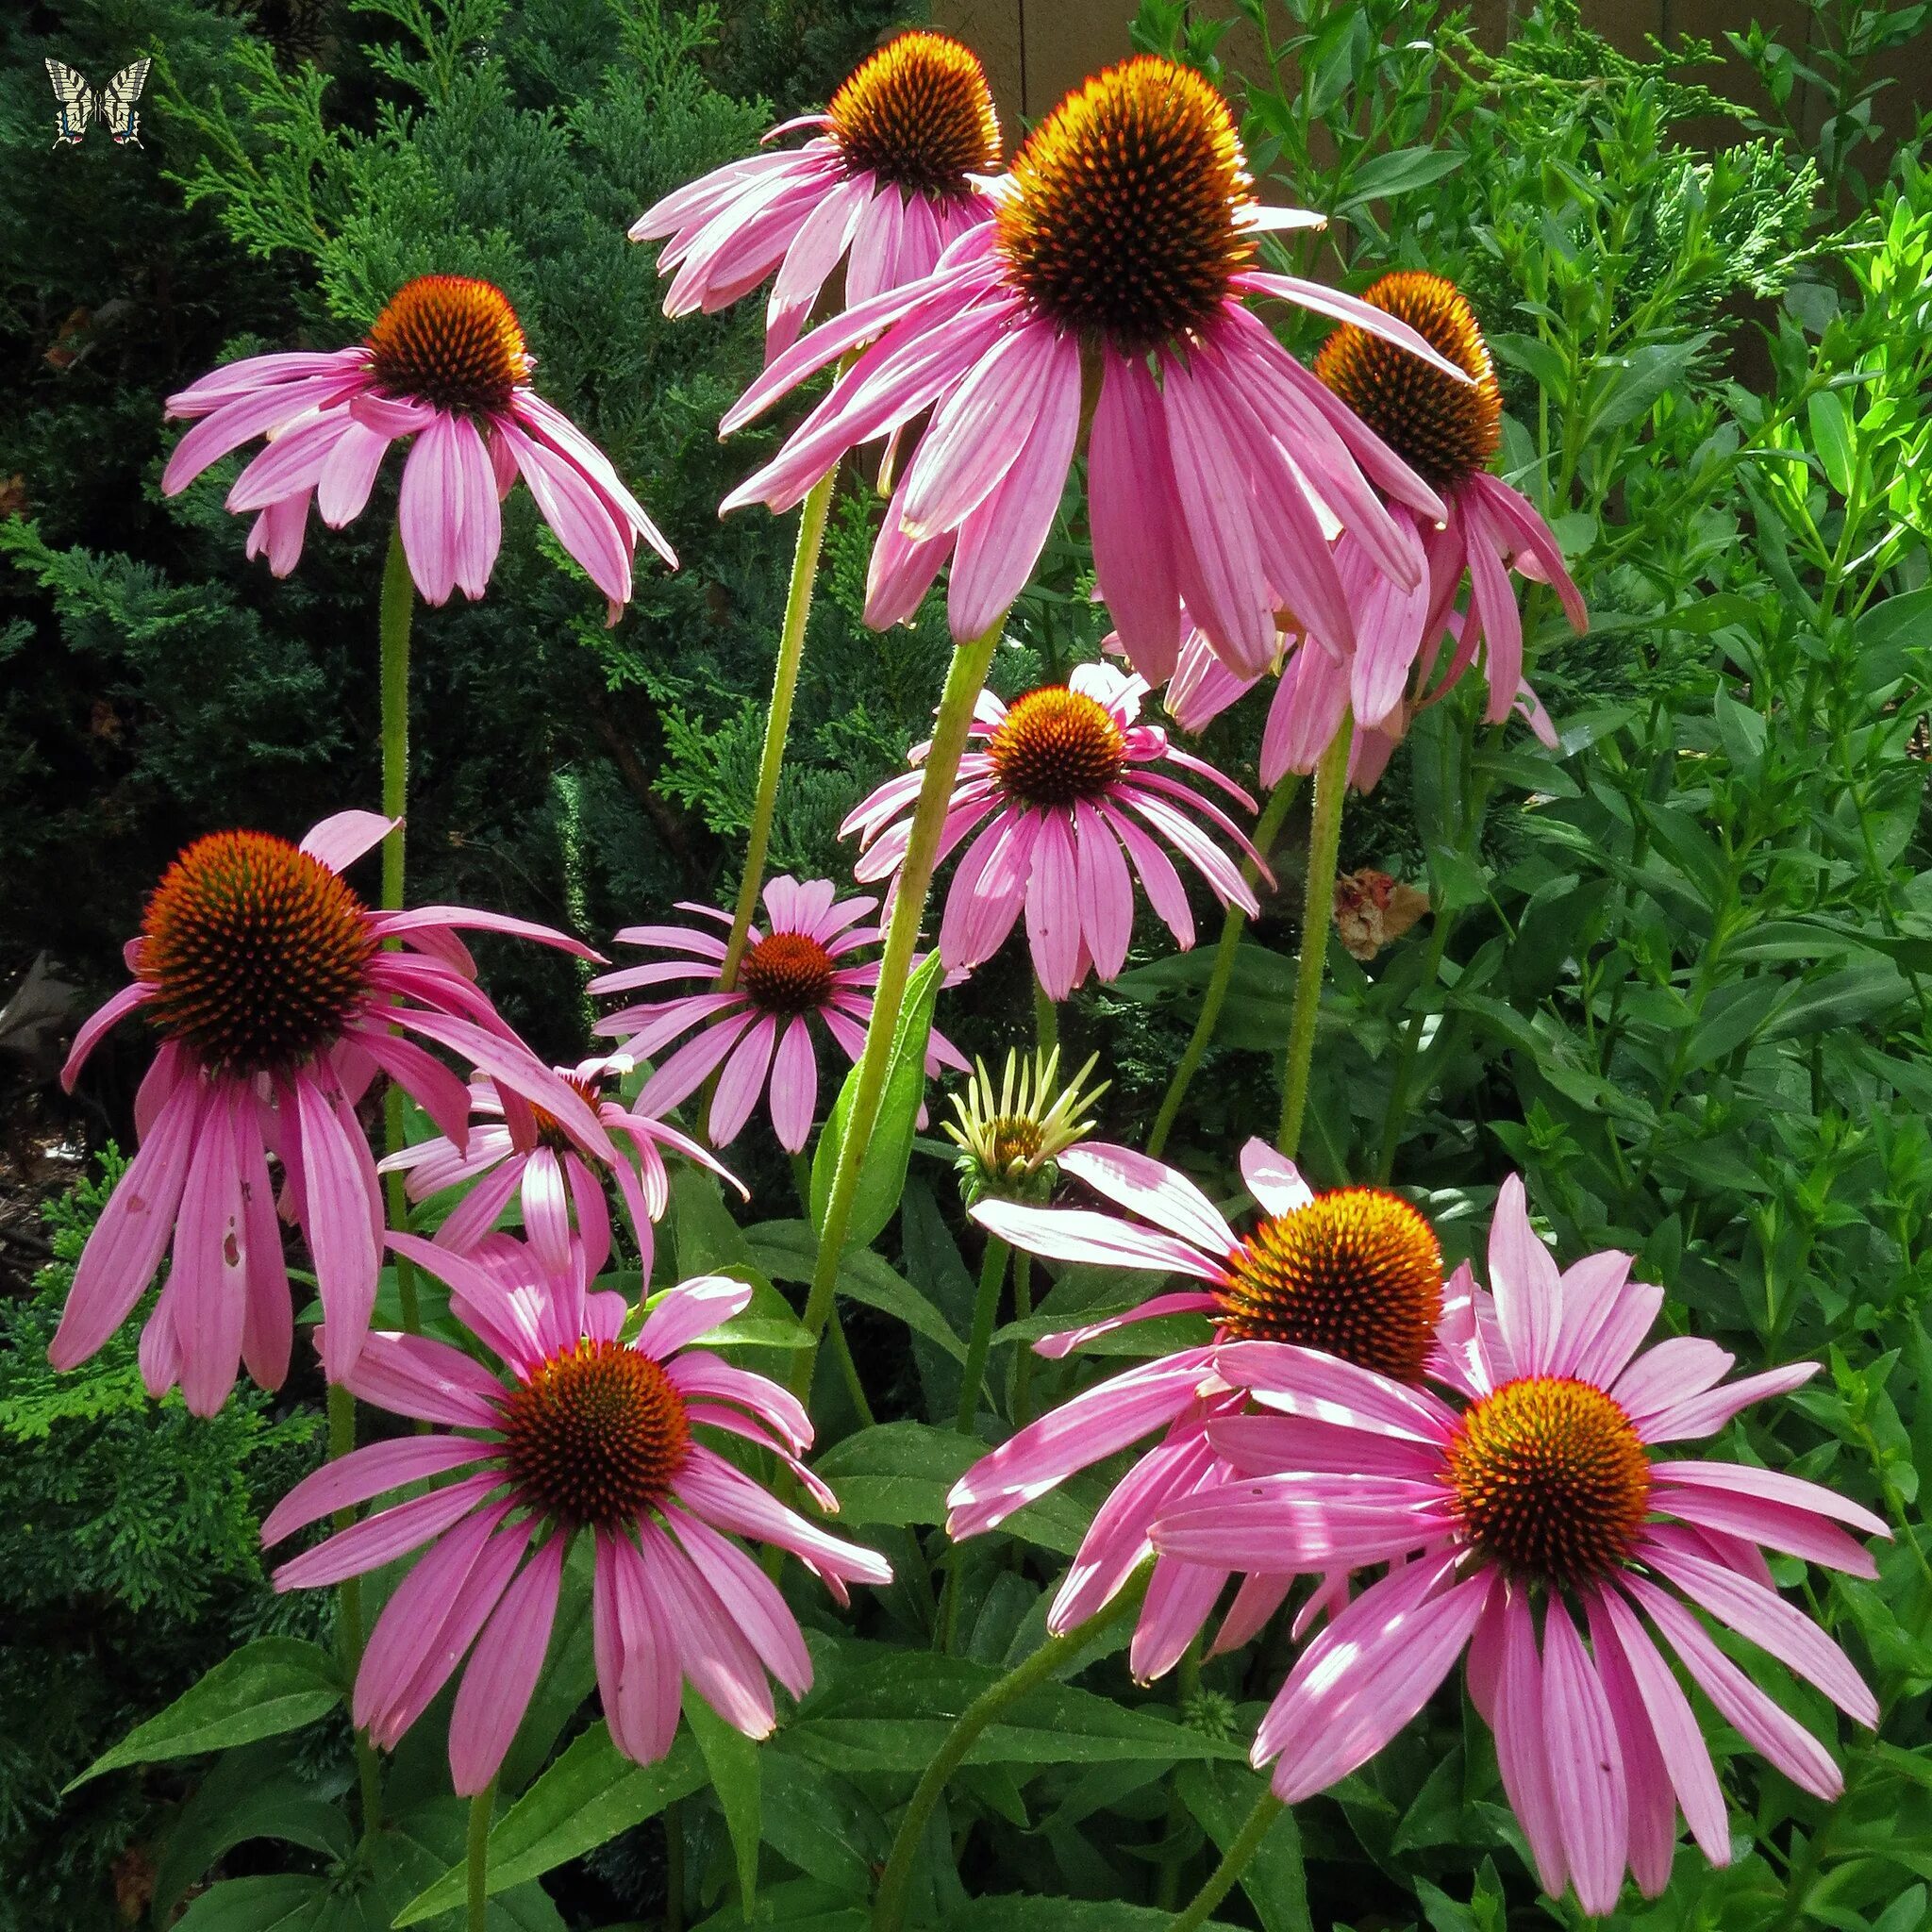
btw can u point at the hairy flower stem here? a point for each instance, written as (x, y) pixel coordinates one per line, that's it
(1221, 1881)
(478, 1858)
(397, 608)
(888, 1908)
(964, 679)
(1233, 924)
(805, 567)
(1022, 1365)
(1318, 915)
(341, 1438)
(992, 1277)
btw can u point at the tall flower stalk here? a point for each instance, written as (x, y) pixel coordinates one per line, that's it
(398, 612)
(1317, 914)
(965, 678)
(798, 594)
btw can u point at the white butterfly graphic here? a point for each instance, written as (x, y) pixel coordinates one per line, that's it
(115, 102)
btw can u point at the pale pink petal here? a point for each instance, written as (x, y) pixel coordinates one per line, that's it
(1764, 1616)
(1763, 1723)
(389, 1533)
(1587, 1774)
(340, 1188)
(1526, 1284)
(692, 1308)
(503, 1672)
(1520, 1726)
(1131, 513)
(1366, 1676)
(1275, 1182)
(635, 1654)
(1092, 1424)
(1161, 1194)
(1683, 1756)
(127, 1242)
(1705, 1415)
(1073, 1234)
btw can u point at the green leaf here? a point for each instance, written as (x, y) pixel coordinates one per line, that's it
(1831, 439)
(273, 1684)
(732, 1760)
(893, 1713)
(586, 1798)
(820, 1823)
(1641, 380)
(898, 1474)
(1220, 1796)
(1402, 171)
(882, 1179)
(1536, 358)
(249, 1793)
(788, 1250)
(284, 1902)
(1849, 997)
(1024, 1912)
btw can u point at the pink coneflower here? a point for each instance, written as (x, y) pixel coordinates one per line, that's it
(1447, 432)
(790, 974)
(1357, 1272)
(885, 186)
(1062, 783)
(589, 1433)
(446, 363)
(1119, 260)
(515, 1149)
(1539, 1486)
(268, 979)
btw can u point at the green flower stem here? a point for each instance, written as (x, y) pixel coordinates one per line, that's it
(888, 1908)
(478, 1858)
(1318, 915)
(993, 1275)
(842, 1347)
(1023, 1362)
(1046, 1019)
(964, 679)
(341, 1438)
(1232, 925)
(1221, 1881)
(398, 608)
(805, 566)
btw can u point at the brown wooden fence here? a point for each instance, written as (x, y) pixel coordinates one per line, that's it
(1036, 49)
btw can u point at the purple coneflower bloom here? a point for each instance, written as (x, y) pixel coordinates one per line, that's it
(269, 981)
(1357, 1272)
(1064, 778)
(790, 974)
(446, 363)
(1540, 1487)
(1117, 267)
(587, 1433)
(885, 185)
(1448, 432)
(515, 1149)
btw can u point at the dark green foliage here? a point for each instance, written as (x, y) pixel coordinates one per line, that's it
(128, 1561)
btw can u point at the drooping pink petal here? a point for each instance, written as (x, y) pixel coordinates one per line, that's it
(129, 1241)
(1366, 1676)
(364, 1473)
(503, 1672)
(1587, 1771)
(1519, 1723)
(1682, 1752)
(1764, 1724)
